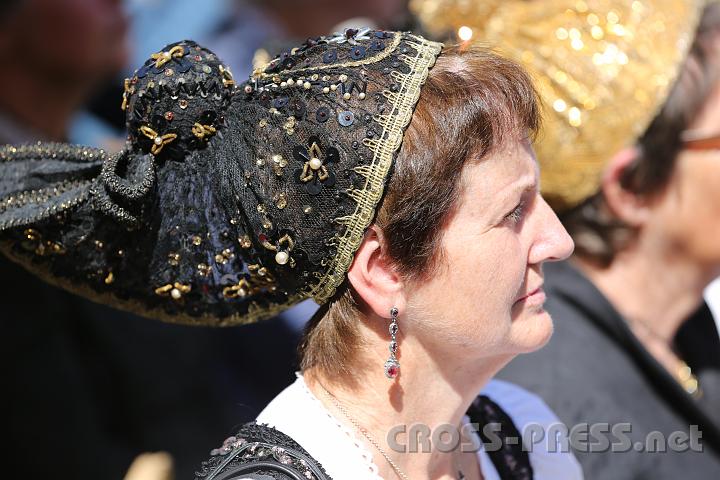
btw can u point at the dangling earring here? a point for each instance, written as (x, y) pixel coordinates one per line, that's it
(392, 366)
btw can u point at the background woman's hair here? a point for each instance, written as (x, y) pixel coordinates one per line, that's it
(473, 101)
(598, 234)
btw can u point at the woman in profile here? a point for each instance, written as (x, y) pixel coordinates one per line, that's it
(631, 166)
(389, 179)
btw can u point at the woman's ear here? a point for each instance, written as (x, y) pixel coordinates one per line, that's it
(373, 276)
(631, 208)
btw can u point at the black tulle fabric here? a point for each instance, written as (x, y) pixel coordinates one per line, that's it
(212, 213)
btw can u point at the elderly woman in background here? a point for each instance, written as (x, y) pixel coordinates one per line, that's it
(390, 179)
(630, 159)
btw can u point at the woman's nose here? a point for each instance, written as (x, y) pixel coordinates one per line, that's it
(552, 243)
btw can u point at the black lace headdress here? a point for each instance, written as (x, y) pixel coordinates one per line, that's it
(230, 202)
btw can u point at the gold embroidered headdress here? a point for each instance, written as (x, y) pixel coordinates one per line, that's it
(603, 69)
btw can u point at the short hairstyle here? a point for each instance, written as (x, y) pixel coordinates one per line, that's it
(473, 101)
(599, 235)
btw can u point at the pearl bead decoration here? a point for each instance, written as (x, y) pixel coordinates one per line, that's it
(282, 257)
(315, 163)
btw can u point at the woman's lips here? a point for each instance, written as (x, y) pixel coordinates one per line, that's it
(536, 297)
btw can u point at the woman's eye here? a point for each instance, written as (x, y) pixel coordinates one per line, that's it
(517, 214)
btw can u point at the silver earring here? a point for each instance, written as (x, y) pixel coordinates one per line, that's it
(392, 366)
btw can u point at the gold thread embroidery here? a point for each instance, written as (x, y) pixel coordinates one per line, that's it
(314, 166)
(260, 279)
(161, 58)
(203, 131)
(241, 290)
(283, 254)
(227, 76)
(127, 91)
(175, 290)
(41, 247)
(159, 141)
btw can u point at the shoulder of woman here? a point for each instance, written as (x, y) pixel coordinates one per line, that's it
(544, 436)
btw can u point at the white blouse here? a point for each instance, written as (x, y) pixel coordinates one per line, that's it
(300, 415)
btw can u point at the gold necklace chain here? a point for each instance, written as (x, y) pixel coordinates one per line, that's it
(369, 437)
(683, 374)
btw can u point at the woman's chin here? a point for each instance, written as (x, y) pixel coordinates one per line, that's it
(532, 330)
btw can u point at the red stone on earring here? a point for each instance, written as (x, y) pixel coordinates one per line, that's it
(392, 368)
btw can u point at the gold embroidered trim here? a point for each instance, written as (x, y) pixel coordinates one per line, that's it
(394, 123)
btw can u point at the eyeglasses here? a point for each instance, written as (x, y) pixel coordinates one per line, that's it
(694, 142)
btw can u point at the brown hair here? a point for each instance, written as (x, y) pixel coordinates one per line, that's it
(598, 234)
(473, 100)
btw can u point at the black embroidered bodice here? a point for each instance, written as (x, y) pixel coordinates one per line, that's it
(259, 452)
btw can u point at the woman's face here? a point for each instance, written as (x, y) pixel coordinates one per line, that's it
(486, 297)
(685, 219)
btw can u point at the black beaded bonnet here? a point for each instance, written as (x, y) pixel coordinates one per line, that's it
(229, 203)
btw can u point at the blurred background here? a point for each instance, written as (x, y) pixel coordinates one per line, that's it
(88, 389)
